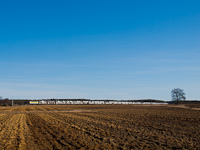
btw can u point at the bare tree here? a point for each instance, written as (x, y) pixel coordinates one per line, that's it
(178, 95)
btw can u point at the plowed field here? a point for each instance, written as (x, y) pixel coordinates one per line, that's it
(99, 127)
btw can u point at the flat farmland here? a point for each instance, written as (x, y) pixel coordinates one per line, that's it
(99, 127)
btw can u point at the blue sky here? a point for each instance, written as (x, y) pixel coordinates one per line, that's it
(99, 50)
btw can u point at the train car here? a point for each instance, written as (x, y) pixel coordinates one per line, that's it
(34, 102)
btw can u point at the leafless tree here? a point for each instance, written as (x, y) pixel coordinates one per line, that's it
(178, 95)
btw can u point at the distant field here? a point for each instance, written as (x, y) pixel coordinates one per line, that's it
(99, 127)
(193, 105)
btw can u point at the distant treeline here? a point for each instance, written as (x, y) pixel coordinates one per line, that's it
(145, 100)
(141, 100)
(185, 102)
(7, 102)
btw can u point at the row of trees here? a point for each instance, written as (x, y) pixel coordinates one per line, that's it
(177, 96)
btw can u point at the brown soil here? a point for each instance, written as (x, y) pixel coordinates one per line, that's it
(99, 127)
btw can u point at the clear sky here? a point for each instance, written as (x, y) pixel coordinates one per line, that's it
(108, 49)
